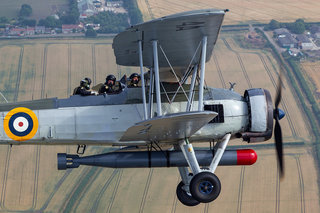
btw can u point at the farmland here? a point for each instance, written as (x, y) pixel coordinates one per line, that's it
(240, 11)
(40, 9)
(311, 69)
(29, 180)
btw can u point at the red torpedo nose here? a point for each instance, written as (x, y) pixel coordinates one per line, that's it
(246, 157)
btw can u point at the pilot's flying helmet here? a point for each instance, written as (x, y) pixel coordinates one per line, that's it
(111, 77)
(85, 83)
(136, 76)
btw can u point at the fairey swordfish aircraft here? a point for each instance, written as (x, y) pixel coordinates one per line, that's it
(167, 114)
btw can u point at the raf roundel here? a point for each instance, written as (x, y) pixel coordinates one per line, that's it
(20, 124)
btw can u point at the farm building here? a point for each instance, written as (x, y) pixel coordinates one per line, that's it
(86, 8)
(115, 7)
(40, 29)
(71, 28)
(18, 31)
(316, 35)
(30, 31)
(280, 32)
(304, 42)
(114, 4)
(287, 41)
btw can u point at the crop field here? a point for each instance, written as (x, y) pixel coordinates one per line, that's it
(312, 71)
(40, 9)
(30, 181)
(240, 11)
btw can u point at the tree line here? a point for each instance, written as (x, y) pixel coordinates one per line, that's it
(68, 17)
(297, 27)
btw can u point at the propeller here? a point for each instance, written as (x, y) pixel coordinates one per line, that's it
(278, 114)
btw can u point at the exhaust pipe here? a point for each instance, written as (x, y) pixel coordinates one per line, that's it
(149, 159)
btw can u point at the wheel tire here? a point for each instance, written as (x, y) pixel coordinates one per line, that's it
(205, 187)
(184, 197)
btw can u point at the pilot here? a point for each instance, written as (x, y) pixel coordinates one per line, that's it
(84, 88)
(108, 86)
(135, 78)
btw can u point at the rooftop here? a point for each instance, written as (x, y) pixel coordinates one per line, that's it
(303, 38)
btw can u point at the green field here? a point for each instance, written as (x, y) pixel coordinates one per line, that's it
(40, 8)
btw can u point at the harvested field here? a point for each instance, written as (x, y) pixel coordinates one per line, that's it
(40, 9)
(240, 11)
(312, 71)
(48, 68)
(21, 185)
(30, 70)
(9, 63)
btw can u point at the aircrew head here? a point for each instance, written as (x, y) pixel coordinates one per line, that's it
(135, 78)
(110, 80)
(85, 83)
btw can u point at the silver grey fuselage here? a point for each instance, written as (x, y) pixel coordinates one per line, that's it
(102, 120)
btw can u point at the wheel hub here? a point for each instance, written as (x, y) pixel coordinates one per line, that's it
(205, 187)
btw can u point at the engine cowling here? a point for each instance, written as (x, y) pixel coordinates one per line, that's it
(260, 115)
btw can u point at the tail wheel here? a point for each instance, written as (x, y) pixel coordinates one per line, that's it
(185, 197)
(205, 187)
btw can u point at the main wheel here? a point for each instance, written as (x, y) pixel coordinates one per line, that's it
(185, 197)
(205, 187)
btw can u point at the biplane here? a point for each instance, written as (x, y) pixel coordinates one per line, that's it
(157, 123)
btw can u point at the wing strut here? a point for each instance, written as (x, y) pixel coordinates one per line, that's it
(156, 75)
(151, 88)
(142, 81)
(191, 91)
(202, 72)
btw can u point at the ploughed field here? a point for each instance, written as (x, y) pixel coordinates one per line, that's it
(240, 11)
(30, 181)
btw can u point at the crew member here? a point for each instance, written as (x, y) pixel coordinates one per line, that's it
(134, 80)
(84, 87)
(108, 86)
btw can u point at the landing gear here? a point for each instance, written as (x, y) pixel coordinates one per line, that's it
(205, 187)
(185, 197)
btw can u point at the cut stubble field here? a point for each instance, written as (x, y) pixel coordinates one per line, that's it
(242, 11)
(311, 69)
(29, 180)
(40, 9)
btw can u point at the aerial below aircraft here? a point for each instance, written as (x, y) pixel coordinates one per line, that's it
(157, 123)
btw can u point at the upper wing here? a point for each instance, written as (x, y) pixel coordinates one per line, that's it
(171, 127)
(179, 36)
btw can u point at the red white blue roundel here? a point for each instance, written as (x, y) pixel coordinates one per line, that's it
(20, 124)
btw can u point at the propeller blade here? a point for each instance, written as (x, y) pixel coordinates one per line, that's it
(278, 95)
(278, 114)
(278, 141)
